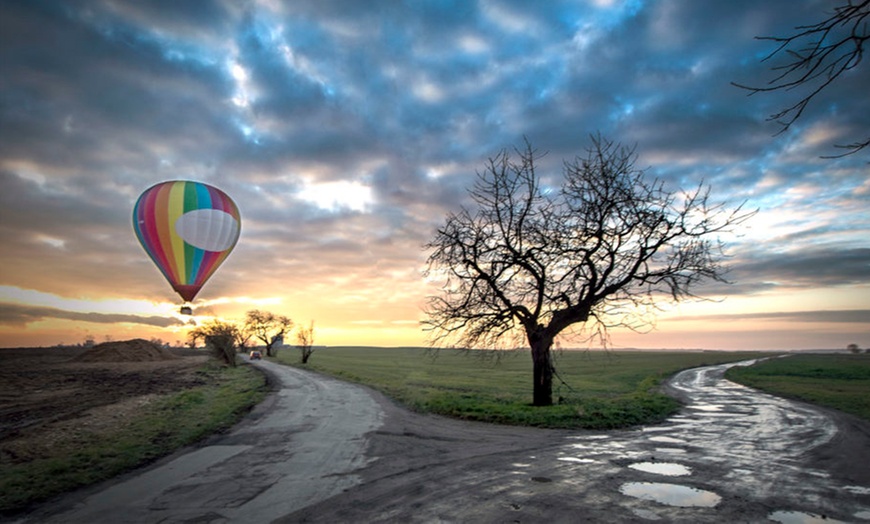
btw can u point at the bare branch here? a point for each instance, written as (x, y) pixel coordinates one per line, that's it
(818, 54)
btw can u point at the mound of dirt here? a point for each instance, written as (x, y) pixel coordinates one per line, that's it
(136, 350)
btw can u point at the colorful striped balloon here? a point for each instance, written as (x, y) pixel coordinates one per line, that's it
(188, 229)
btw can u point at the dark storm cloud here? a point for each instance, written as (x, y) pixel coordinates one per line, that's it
(755, 271)
(808, 268)
(100, 100)
(19, 315)
(847, 316)
(99, 108)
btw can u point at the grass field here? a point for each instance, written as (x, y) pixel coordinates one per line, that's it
(171, 422)
(838, 381)
(601, 390)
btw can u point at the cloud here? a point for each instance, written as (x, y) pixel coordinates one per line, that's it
(19, 315)
(808, 268)
(846, 316)
(346, 131)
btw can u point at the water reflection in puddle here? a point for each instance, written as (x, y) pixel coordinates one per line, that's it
(671, 494)
(667, 440)
(706, 407)
(670, 450)
(577, 460)
(797, 517)
(670, 469)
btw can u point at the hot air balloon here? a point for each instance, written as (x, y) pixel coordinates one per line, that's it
(188, 229)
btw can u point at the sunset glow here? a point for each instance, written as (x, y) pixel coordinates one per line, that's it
(345, 132)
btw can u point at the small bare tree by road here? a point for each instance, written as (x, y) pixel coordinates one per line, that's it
(239, 335)
(214, 327)
(305, 341)
(817, 55)
(221, 339)
(267, 327)
(527, 262)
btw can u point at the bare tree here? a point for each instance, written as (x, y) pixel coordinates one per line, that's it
(267, 327)
(527, 262)
(216, 328)
(818, 54)
(223, 348)
(305, 341)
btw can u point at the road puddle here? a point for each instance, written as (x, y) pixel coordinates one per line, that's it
(667, 440)
(671, 494)
(669, 469)
(798, 517)
(706, 407)
(670, 450)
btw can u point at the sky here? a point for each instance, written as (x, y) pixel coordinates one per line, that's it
(346, 131)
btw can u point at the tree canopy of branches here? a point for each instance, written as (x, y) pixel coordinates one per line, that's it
(818, 54)
(305, 341)
(216, 328)
(267, 327)
(527, 262)
(221, 338)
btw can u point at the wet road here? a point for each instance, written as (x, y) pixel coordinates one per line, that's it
(320, 450)
(732, 455)
(299, 446)
(751, 447)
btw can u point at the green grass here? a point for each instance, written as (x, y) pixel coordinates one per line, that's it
(601, 390)
(838, 381)
(169, 423)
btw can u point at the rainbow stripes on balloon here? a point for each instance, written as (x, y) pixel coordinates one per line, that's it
(188, 229)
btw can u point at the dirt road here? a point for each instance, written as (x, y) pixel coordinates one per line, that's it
(732, 455)
(320, 450)
(300, 445)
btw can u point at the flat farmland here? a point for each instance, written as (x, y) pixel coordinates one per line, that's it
(838, 381)
(592, 389)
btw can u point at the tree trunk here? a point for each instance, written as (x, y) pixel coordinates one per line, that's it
(222, 347)
(543, 371)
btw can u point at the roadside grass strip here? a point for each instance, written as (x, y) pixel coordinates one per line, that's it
(839, 381)
(159, 428)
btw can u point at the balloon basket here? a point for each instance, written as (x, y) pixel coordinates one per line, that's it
(186, 310)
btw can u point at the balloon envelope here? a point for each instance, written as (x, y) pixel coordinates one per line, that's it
(188, 229)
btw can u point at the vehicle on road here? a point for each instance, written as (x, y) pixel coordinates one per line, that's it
(256, 355)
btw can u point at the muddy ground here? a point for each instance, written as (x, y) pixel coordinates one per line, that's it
(731, 455)
(47, 394)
